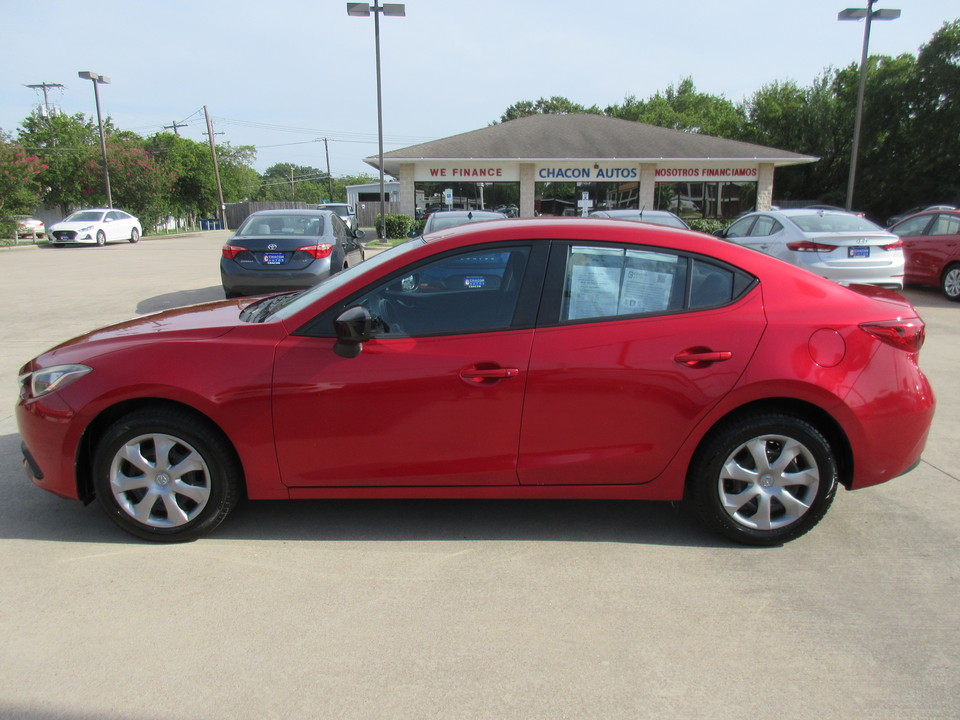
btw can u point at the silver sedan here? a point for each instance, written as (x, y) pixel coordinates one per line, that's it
(837, 245)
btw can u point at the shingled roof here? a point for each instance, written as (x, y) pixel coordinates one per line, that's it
(583, 137)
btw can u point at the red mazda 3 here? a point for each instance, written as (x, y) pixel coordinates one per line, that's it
(511, 359)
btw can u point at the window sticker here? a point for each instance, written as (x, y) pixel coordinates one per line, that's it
(594, 289)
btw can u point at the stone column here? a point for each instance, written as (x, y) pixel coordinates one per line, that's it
(765, 186)
(528, 189)
(648, 179)
(408, 195)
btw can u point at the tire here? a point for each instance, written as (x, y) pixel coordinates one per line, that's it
(162, 474)
(950, 284)
(134, 235)
(101, 238)
(763, 480)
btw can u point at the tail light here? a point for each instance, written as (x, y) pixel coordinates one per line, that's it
(906, 335)
(808, 246)
(231, 251)
(318, 251)
(895, 245)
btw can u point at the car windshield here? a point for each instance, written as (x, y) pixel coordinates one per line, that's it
(85, 216)
(287, 305)
(341, 210)
(257, 225)
(438, 222)
(833, 222)
(649, 217)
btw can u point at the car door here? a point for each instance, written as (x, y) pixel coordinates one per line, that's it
(634, 346)
(930, 246)
(435, 398)
(351, 246)
(114, 225)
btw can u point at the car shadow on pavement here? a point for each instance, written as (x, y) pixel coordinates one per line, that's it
(179, 299)
(29, 513)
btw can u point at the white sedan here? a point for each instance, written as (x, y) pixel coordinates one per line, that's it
(837, 245)
(97, 226)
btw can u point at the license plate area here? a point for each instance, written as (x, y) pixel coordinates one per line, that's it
(859, 251)
(278, 258)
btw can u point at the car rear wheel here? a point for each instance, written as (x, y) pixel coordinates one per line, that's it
(951, 283)
(163, 474)
(134, 235)
(763, 480)
(101, 237)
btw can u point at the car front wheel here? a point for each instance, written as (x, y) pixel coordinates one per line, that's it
(951, 283)
(763, 480)
(163, 474)
(134, 235)
(101, 238)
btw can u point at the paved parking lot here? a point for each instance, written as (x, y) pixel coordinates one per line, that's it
(448, 609)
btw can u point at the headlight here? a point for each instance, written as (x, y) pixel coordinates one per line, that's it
(44, 381)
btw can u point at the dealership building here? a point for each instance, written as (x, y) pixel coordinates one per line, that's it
(569, 164)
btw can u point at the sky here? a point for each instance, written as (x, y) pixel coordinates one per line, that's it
(283, 75)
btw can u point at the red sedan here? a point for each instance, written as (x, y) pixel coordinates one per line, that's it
(508, 359)
(931, 246)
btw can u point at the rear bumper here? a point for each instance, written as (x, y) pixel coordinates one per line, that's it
(237, 279)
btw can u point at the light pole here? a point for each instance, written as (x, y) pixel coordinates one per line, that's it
(856, 14)
(97, 80)
(363, 10)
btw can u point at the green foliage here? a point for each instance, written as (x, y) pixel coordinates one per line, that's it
(706, 225)
(20, 184)
(554, 106)
(683, 108)
(398, 226)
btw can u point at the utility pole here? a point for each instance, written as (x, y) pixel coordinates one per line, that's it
(216, 169)
(174, 127)
(46, 96)
(329, 176)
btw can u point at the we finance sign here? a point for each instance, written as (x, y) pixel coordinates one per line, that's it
(468, 172)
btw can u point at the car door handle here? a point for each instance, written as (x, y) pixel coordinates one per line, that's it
(481, 376)
(700, 358)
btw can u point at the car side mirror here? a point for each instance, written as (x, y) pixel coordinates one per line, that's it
(720, 233)
(359, 234)
(354, 326)
(413, 234)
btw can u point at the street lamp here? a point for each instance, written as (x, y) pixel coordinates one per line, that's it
(97, 80)
(856, 14)
(363, 10)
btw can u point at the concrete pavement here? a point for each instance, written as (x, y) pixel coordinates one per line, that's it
(468, 609)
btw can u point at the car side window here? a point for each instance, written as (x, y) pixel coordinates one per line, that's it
(765, 226)
(912, 226)
(740, 228)
(471, 292)
(945, 225)
(605, 282)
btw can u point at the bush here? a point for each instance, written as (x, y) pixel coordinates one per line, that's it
(706, 225)
(397, 226)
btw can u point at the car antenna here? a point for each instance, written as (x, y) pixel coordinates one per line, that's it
(470, 215)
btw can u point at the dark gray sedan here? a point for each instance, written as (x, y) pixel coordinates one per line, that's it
(278, 250)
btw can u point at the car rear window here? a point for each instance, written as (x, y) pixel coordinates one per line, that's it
(833, 222)
(281, 225)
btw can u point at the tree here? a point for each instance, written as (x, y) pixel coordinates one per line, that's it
(287, 181)
(683, 108)
(65, 143)
(20, 183)
(554, 106)
(934, 176)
